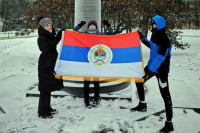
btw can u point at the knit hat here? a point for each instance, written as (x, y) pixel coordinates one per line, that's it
(92, 22)
(44, 22)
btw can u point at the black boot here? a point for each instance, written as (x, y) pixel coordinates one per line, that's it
(87, 102)
(142, 107)
(52, 111)
(47, 116)
(88, 106)
(96, 100)
(167, 128)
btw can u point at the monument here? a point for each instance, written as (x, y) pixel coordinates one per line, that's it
(86, 10)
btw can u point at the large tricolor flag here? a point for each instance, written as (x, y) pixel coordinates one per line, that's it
(100, 57)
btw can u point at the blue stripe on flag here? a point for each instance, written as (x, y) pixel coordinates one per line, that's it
(120, 55)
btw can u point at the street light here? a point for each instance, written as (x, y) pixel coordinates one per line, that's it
(25, 21)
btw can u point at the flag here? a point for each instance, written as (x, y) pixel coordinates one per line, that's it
(100, 57)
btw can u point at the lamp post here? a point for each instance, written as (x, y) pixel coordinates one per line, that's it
(25, 22)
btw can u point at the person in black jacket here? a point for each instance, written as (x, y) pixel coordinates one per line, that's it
(47, 43)
(93, 29)
(158, 65)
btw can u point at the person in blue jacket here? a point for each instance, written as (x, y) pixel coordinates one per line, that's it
(158, 65)
(93, 29)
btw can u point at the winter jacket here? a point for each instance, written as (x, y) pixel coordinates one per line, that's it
(160, 48)
(47, 43)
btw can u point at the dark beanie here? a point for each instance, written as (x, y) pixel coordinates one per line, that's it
(92, 22)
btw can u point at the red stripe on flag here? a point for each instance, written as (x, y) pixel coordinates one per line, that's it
(112, 41)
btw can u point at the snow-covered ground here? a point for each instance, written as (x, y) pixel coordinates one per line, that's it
(18, 72)
(11, 34)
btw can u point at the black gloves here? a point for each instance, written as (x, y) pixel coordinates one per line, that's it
(148, 74)
(106, 23)
(81, 24)
(53, 31)
(141, 35)
(59, 36)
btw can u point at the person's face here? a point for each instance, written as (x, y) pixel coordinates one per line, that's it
(48, 27)
(154, 26)
(92, 27)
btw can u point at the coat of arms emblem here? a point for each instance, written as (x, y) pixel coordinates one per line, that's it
(100, 55)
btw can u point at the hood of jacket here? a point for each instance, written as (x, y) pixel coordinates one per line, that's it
(42, 31)
(159, 21)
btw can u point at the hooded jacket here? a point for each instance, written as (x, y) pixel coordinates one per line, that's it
(160, 48)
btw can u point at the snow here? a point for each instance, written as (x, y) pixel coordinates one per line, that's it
(18, 72)
(11, 34)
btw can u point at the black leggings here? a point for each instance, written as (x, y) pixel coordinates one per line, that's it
(87, 89)
(164, 90)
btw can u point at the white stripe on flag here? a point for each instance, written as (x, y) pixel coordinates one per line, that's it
(124, 70)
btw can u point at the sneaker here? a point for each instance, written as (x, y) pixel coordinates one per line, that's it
(94, 104)
(142, 107)
(87, 103)
(49, 116)
(88, 106)
(167, 128)
(96, 100)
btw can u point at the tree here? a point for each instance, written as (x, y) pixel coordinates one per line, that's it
(131, 14)
(120, 13)
(124, 15)
(192, 15)
(12, 12)
(60, 11)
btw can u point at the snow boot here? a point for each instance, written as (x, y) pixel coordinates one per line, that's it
(48, 116)
(96, 101)
(52, 111)
(88, 106)
(87, 103)
(167, 128)
(142, 107)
